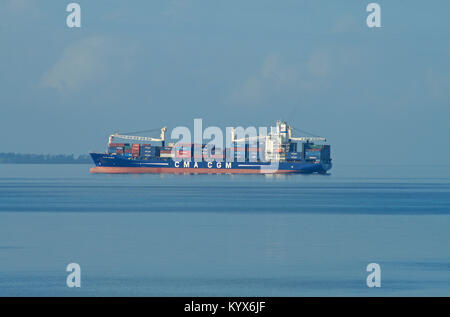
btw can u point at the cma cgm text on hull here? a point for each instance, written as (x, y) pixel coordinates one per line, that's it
(247, 151)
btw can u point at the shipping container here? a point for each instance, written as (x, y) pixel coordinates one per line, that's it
(325, 153)
(293, 147)
(182, 153)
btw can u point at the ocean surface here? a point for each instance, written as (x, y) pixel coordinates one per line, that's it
(225, 235)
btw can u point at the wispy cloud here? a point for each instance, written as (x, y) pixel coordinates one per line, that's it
(345, 23)
(277, 77)
(80, 64)
(318, 64)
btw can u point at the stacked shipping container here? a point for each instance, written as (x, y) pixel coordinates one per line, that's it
(208, 152)
(147, 151)
(166, 151)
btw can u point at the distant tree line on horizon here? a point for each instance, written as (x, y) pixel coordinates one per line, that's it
(18, 158)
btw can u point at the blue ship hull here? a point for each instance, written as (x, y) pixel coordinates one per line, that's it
(107, 163)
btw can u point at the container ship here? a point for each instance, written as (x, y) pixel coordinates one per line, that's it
(277, 152)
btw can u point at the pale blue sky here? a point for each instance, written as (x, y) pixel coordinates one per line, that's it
(378, 95)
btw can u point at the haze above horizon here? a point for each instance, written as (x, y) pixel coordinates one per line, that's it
(380, 96)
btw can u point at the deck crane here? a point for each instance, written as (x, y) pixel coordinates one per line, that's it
(304, 138)
(281, 127)
(138, 138)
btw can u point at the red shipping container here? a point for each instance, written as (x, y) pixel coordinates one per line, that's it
(183, 153)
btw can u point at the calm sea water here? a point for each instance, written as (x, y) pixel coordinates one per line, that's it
(224, 235)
